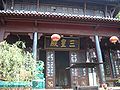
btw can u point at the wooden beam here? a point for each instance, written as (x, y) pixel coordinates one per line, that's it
(62, 28)
(2, 21)
(38, 5)
(4, 4)
(85, 7)
(106, 11)
(12, 7)
(1, 34)
(112, 12)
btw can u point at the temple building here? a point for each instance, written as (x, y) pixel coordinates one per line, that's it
(84, 54)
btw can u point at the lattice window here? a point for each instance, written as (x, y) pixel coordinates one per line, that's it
(115, 56)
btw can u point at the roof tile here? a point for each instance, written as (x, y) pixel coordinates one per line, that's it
(56, 15)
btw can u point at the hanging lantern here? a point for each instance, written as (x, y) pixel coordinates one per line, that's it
(55, 37)
(113, 39)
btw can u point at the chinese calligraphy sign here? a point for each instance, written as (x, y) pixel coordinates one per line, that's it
(64, 43)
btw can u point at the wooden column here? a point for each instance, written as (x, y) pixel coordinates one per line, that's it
(35, 45)
(35, 38)
(100, 60)
(50, 69)
(1, 34)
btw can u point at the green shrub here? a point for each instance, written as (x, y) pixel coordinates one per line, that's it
(16, 64)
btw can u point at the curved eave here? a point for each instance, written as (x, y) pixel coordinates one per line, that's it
(57, 17)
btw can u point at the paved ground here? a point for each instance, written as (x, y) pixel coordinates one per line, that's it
(52, 89)
(113, 88)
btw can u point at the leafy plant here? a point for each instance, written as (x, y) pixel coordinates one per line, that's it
(118, 15)
(16, 64)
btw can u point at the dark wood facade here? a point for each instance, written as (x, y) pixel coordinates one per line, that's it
(20, 19)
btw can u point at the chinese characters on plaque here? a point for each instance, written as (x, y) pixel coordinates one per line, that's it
(63, 43)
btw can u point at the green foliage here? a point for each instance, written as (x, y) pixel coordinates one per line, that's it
(16, 64)
(40, 66)
(118, 15)
(39, 69)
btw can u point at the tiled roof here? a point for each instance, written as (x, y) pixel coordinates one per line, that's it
(89, 1)
(57, 16)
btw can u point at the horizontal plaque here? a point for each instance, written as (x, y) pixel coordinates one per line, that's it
(64, 43)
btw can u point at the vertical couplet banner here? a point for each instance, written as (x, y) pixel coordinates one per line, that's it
(50, 69)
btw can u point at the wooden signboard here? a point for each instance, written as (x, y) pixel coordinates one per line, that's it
(71, 43)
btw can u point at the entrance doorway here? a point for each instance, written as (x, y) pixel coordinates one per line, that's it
(62, 76)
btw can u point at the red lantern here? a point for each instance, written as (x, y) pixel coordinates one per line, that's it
(113, 39)
(55, 37)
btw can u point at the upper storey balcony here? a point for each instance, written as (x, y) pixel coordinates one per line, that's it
(99, 8)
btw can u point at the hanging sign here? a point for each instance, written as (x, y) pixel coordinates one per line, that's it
(64, 43)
